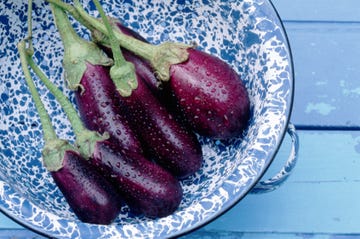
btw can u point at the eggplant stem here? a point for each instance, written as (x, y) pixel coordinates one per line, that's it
(29, 22)
(49, 132)
(161, 57)
(85, 139)
(73, 12)
(122, 72)
(77, 51)
(54, 148)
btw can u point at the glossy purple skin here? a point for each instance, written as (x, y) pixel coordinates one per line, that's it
(93, 198)
(101, 109)
(206, 91)
(171, 144)
(211, 95)
(145, 186)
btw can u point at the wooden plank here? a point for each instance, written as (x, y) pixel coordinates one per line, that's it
(327, 73)
(318, 10)
(320, 197)
(249, 235)
(19, 234)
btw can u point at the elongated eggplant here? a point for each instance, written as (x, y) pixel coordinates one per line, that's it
(145, 186)
(171, 144)
(101, 108)
(208, 92)
(168, 141)
(92, 197)
(204, 89)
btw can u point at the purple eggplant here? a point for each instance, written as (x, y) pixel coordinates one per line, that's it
(101, 109)
(172, 145)
(91, 196)
(205, 90)
(145, 186)
(211, 95)
(168, 141)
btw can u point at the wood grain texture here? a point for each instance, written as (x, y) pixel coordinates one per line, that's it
(318, 198)
(318, 10)
(327, 73)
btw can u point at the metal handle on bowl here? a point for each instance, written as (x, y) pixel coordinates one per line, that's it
(276, 181)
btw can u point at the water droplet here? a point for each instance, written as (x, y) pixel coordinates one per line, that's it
(104, 104)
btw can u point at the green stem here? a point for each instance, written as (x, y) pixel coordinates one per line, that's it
(48, 130)
(54, 148)
(85, 139)
(29, 22)
(117, 55)
(72, 10)
(161, 57)
(77, 51)
(70, 111)
(122, 72)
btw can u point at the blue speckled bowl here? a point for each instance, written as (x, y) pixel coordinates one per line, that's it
(246, 33)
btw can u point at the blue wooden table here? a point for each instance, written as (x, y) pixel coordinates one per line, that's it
(320, 199)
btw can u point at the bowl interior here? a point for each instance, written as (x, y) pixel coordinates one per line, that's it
(247, 34)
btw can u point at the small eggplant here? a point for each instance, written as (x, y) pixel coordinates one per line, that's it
(91, 196)
(145, 186)
(168, 141)
(211, 95)
(101, 109)
(208, 92)
(171, 144)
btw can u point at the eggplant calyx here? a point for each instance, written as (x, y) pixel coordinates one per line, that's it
(124, 78)
(53, 153)
(87, 140)
(167, 54)
(75, 58)
(77, 51)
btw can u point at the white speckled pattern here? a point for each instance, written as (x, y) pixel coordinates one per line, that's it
(245, 33)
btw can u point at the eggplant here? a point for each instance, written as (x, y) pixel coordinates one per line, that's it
(207, 91)
(211, 95)
(92, 197)
(145, 186)
(169, 142)
(101, 108)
